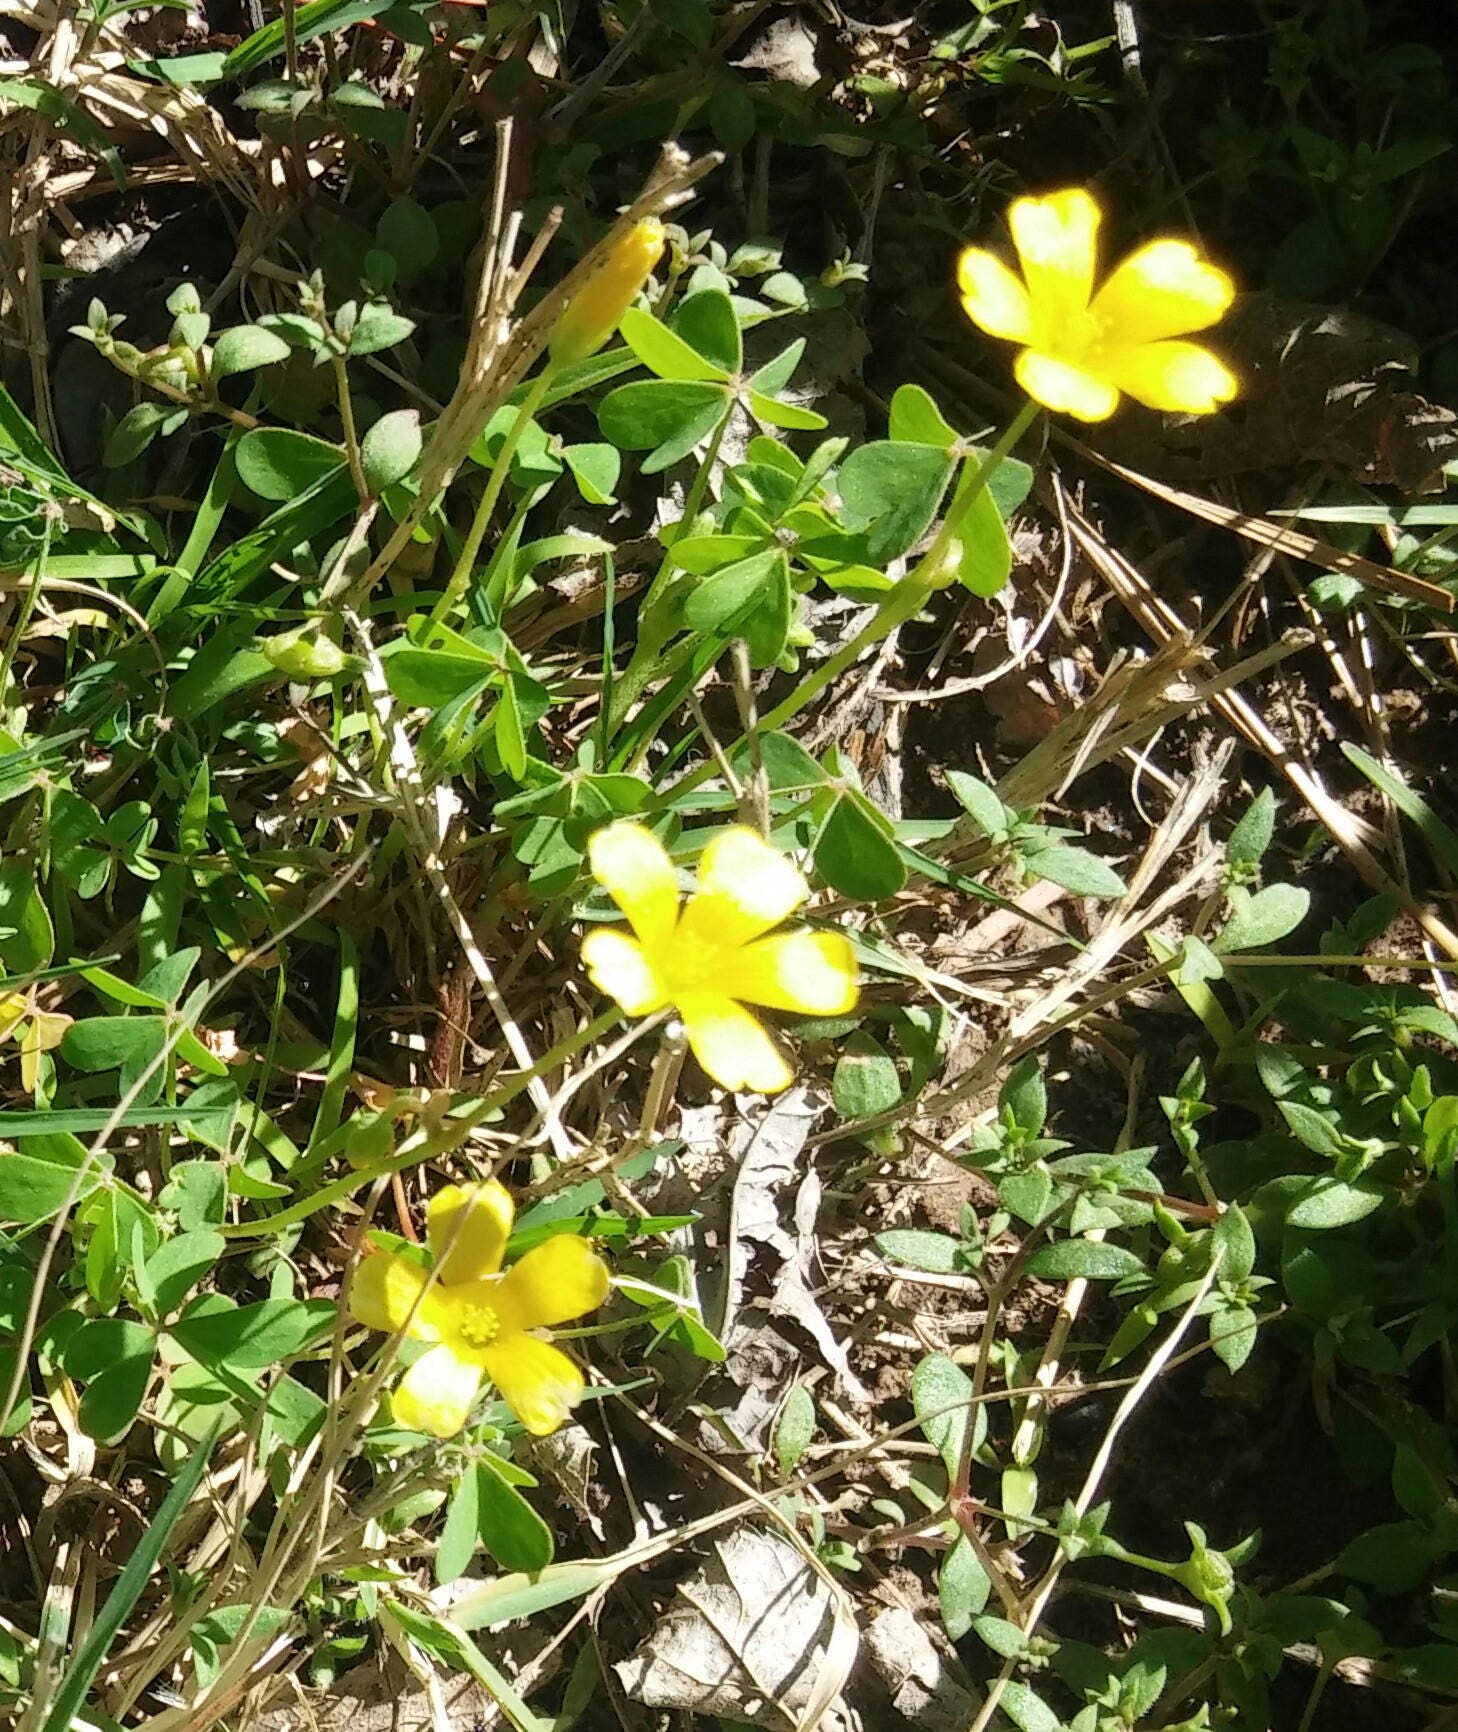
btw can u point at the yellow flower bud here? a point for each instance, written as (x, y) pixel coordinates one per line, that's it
(592, 316)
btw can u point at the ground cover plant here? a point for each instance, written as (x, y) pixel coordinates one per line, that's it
(726, 867)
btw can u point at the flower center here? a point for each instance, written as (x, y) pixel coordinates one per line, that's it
(693, 963)
(1071, 333)
(478, 1325)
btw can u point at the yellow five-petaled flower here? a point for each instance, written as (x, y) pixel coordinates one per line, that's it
(480, 1323)
(1082, 348)
(711, 958)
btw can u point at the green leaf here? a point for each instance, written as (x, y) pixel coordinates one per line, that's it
(1333, 1202)
(854, 852)
(184, 71)
(116, 1357)
(1028, 1712)
(937, 1253)
(390, 449)
(775, 374)
(1083, 1260)
(461, 1534)
(774, 412)
(135, 432)
(1233, 1335)
(1248, 841)
(427, 679)
(998, 1634)
(865, 1083)
(963, 1588)
(408, 233)
(179, 1264)
(1264, 918)
(720, 602)
(916, 419)
(36, 1178)
(378, 327)
(795, 1429)
(197, 1192)
(731, 115)
(937, 1385)
(668, 419)
(1234, 1237)
(986, 551)
(1075, 869)
(509, 733)
(1024, 1096)
(511, 1530)
(595, 469)
(118, 1223)
(892, 489)
(1027, 1193)
(27, 938)
(1312, 1128)
(113, 1042)
(254, 1336)
(663, 351)
(707, 323)
(245, 348)
(786, 763)
(980, 802)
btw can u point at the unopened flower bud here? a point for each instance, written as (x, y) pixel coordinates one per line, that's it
(593, 314)
(304, 654)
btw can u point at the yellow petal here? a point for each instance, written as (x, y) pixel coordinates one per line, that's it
(437, 1393)
(745, 887)
(993, 297)
(1057, 385)
(618, 966)
(1163, 290)
(467, 1227)
(633, 866)
(811, 972)
(537, 1381)
(1180, 377)
(1057, 242)
(731, 1045)
(558, 1280)
(383, 1292)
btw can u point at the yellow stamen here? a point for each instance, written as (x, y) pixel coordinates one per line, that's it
(478, 1325)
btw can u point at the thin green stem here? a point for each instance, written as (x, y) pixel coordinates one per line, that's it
(466, 564)
(901, 603)
(351, 433)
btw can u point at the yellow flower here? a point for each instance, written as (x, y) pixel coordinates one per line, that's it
(39, 1031)
(592, 315)
(713, 954)
(1081, 348)
(480, 1322)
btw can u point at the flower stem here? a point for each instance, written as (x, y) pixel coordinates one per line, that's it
(471, 547)
(901, 603)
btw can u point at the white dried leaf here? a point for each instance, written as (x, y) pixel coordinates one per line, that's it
(755, 1636)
